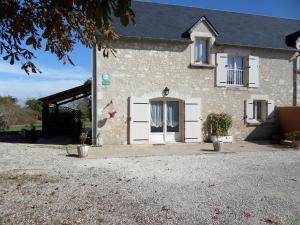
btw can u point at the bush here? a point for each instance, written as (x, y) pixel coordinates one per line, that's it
(293, 136)
(219, 124)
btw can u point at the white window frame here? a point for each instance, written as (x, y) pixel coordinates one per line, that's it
(263, 111)
(199, 50)
(238, 73)
(210, 40)
(267, 110)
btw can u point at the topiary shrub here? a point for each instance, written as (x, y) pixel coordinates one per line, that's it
(219, 124)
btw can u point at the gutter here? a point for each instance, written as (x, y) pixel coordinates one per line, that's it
(249, 46)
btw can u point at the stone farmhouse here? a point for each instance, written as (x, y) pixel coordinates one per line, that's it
(178, 64)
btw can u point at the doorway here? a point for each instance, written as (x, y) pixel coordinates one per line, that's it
(164, 121)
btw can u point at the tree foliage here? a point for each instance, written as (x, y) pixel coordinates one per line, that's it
(35, 105)
(84, 106)
(56, 25)
(8, 100)
(13, 114)
(3, 123)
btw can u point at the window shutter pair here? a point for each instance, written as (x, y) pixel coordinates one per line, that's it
(251, 70)
(249, 111)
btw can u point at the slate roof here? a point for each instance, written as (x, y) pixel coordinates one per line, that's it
(292, 38)
(171, 22)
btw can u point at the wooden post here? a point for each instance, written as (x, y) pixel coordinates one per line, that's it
(45, 115)
(95, 98)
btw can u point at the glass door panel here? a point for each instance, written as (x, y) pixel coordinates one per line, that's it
(157, 115)
(172, 109)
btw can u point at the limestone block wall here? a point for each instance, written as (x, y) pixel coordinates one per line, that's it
(145, 68)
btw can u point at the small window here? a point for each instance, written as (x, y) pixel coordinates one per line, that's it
(201, 51)
(260, 110)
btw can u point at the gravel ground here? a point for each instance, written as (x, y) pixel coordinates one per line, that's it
(39, 184)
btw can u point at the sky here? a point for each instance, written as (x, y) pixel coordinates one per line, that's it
(58, 77)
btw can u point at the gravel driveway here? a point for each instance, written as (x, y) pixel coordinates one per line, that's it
(41, 185)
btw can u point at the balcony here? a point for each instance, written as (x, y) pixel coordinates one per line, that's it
(235, 77)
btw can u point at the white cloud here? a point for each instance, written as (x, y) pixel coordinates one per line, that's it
(11, 69)
(15, 82)
(36, 89)
(64, 72)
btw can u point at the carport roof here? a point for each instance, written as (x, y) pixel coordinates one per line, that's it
(67, 94)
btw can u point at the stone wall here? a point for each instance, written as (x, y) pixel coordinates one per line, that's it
(145, 68)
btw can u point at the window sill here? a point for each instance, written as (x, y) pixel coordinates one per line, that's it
(254, 123)
(235, 88)
(257, 123)
(239, 88)
(209, 66)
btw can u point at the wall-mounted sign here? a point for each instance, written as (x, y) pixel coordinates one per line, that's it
(106, 79)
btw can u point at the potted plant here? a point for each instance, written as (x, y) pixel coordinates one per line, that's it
(83, 149)
(219, 125)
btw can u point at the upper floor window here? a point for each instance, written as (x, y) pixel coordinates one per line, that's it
(235, 71)
(201, 51)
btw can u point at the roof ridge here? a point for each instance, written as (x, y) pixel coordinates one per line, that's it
(218, 10)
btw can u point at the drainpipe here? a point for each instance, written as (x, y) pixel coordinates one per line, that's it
(95, 98)
(295, 85)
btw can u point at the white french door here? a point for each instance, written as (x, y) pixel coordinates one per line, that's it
(164, 121)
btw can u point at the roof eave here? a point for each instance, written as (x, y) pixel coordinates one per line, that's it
(179, 41)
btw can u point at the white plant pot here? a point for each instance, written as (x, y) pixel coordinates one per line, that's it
(218, 146)
(225, 139)
(83, 150)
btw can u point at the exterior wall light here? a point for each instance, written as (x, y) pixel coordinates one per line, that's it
(166, 91)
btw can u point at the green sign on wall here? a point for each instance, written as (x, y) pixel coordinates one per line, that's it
(106, 79)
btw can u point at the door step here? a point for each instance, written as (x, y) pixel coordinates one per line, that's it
(158, 144)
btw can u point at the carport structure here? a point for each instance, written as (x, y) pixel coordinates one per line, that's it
(58, 119)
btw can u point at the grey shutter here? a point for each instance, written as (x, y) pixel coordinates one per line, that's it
(249, 111)
(192, 120)
(139, 120)
(271, 111)
(222, 67)
(253, 73)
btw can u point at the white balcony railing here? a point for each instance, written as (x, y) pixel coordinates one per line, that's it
(235, 77)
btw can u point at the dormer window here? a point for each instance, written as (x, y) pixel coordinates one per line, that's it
(203, 36)
(201, 51)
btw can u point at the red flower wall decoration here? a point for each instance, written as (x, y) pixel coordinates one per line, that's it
(112, 114)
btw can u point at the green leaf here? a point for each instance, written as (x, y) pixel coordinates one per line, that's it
(30, 41)
(6, 57)
(70, 61)
(12, 60)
